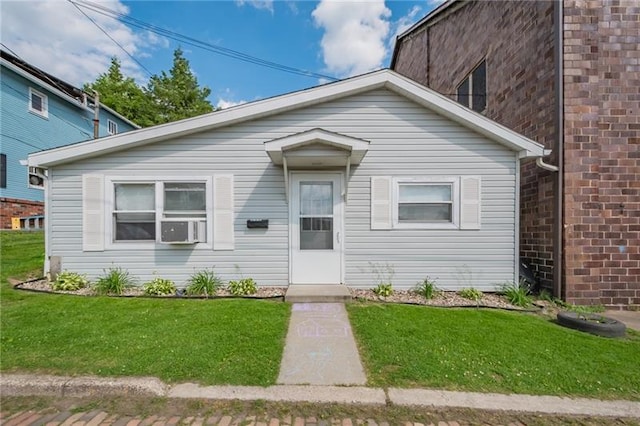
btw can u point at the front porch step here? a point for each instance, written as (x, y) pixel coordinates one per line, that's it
(329, 293)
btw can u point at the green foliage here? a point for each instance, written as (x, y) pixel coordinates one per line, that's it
(203, 283)
(177, 95)
(427, 288)
(383, 290)
(159, 287)
(559, 303)
(69, 281)
(243, 287)
(167, 97)
(471, 293)
(383, 272)
(517, 295)
(123, 95)
(115, 281)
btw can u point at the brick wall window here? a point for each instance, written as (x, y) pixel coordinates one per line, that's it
(472, 91)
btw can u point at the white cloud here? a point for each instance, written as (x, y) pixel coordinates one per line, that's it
(355, 34)
(405, 22)
(258, 4)
(226, 103)
(56, 37)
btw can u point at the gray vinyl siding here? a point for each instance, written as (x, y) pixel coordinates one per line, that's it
(405, 140)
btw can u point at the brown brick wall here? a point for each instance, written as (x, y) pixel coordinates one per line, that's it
(517, 40)
(10, 207)
(602, 152)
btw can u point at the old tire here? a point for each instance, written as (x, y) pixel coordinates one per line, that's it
(592, 323)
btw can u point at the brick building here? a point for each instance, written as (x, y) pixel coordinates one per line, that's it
(580, 225)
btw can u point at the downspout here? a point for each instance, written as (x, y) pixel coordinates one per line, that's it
(96, 115)
(558, 198)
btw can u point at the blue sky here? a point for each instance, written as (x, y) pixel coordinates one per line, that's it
(335, 38)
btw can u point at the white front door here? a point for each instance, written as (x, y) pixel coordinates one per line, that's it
(316, 228)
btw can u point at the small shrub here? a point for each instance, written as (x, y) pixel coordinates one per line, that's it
(203, 283)
(471, 293)
(427, 288)
(69, 281)
(159, 287)
(383, 290)
(114, 281)
(243, 287)
(517, 295)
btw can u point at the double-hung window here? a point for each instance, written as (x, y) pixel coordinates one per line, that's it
(426, 203)
(38, 103)
(140, 208)
(134, 214)
(112, 127)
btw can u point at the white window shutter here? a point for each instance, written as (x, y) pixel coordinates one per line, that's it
(470, 202)
(92, 213)
(381, 202)
(223, 232)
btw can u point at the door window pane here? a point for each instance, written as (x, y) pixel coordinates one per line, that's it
(316, 233)
(316, 198)
(316, 216)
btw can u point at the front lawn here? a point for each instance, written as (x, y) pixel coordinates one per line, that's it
(491, 351)
(207, 341)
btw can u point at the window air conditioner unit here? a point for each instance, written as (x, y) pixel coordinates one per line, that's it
(37, 175)
(181, 231)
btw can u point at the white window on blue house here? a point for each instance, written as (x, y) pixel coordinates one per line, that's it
(112, 127)
(38, 103)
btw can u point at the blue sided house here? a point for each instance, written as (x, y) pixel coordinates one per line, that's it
(40, 112)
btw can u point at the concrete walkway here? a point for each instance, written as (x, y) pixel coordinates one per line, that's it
(630, 318)
(95, 387)
(320, 348)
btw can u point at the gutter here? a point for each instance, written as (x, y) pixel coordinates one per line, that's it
(558, 199)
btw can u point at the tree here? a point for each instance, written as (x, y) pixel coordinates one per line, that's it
(177, 95)
(123, 95)
(167, 97)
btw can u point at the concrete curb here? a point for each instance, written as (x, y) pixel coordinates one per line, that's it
(290, 393)
(515, 402)
(60, 386)
(26, 385)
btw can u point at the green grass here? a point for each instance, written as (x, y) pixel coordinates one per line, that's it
(491, 351)
(207, 341)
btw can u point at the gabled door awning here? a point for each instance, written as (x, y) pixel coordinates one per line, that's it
(316, 149)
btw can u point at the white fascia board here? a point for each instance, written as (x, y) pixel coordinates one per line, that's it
(226, 117)
(464, 116)
(319, 135)
(45, 86)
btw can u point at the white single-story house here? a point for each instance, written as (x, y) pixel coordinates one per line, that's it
(328, 185)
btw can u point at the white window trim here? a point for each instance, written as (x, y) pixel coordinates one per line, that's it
(111, 123)
(45, 103)
(455, 205)
(111, 244)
